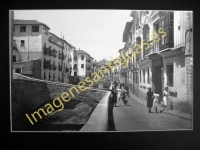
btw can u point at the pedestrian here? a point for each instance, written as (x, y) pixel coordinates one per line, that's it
(165, 98)
(114, 94)
(149, 99)
(122, 85)
(155, 101)
(127, 95)
(120, 89)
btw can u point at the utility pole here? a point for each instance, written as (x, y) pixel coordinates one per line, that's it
(62, 80)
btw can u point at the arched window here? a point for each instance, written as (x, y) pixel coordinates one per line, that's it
(23, 29)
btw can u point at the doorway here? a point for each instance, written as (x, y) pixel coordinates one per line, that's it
(158, 80)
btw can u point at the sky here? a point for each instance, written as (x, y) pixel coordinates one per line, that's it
(98, 32)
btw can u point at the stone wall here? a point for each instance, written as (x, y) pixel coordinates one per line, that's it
(29, 95)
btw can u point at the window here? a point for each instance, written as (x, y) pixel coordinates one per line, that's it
(75, 73)
(59, 78)
(35, 28)
(82, 57)
(53, 76)
(75, 65)
(163, 40)
(14, 58)
(22, 42)
(170, 74)
(44, 76)
(23, 29)
(143, 76)
(18, 70)
(82, 65)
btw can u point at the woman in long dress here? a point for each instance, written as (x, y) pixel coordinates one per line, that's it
(125, 95)
(149, 98)
(165, 98)
(114, 94)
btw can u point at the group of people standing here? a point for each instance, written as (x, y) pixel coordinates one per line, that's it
(123, 93)
(152, 99)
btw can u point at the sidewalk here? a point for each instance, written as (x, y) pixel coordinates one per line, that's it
(170, 112)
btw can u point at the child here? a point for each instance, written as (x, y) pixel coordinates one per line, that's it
(155, 101)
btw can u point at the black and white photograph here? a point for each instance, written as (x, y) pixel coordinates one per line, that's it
(101, 70)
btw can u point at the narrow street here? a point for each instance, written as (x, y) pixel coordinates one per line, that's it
(135, 117)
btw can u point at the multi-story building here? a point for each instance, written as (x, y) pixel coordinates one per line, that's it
(82, 64)
(34, 41)
(166, 60)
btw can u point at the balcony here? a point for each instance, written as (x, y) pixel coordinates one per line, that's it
(54, 67)
(75, 58)
(60, 68)
(60, 56)
(149, 50)
(69, 59)
(88, 68)
(66, 69)
(168, 41)
(75, 68)
(45, 65)
(54, 53)
(50, 66)
(45, 50)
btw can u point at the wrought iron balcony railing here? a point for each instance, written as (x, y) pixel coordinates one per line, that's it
(50, 66)
(75, 68)
(60, 68)
(54, 67)
(69, 59)
(75, 58)
(66, 69)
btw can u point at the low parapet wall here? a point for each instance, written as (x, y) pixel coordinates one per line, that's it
(102, 117)
(29, 94)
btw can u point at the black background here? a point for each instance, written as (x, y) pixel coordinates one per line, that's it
(103, 140)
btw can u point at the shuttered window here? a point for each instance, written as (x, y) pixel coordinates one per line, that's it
(166, 22)
(170, 75)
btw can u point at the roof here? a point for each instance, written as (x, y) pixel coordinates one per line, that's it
(71, 46)
(29, 22)
(82, 52)
(126, 30)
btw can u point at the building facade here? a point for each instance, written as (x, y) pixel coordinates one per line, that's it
(82, 63)
(34, 41)
(166, 60)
